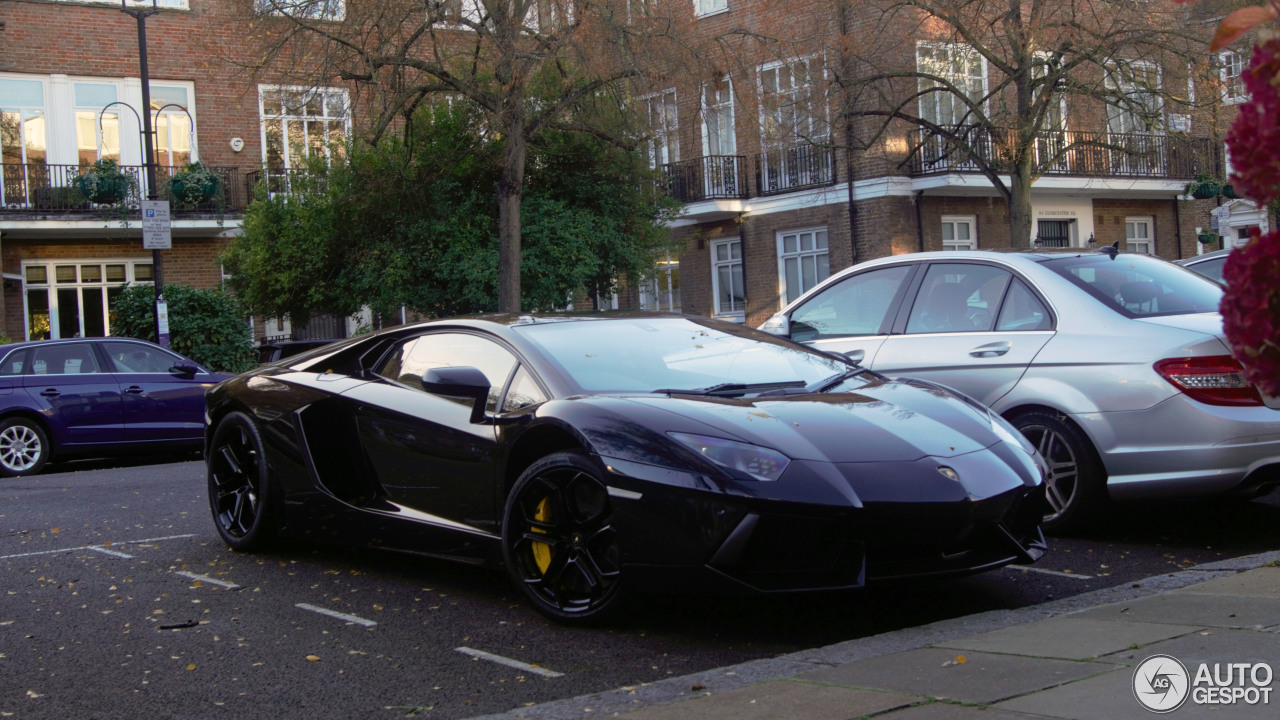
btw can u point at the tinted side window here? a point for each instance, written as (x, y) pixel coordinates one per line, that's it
(958, 298)
(1022, 310)
(63, 359)
(523, 393)
(134, 358)
(407, 361)
(854, 306)
(15, 363)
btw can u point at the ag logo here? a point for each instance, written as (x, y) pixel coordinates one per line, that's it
(1161, 683)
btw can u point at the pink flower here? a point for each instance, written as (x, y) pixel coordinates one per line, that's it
(1251, 309)
(1254, 137)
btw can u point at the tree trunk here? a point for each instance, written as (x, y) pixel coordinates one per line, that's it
(1020, 221)
(510, 194)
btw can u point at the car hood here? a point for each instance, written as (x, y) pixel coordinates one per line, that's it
(887, 421)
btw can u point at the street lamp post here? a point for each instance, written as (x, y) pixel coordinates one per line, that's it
(141, 12)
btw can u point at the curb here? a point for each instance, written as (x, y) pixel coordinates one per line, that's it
(670, 690)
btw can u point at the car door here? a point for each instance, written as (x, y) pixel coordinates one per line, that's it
(159, 405)
(971, 326)
(79, 399)
(426, 453)
(853, 315)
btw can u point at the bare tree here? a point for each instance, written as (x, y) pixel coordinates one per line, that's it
(528, 65)
(1015, 89)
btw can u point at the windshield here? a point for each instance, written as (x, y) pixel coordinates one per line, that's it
(680, 354)
(1138, 286)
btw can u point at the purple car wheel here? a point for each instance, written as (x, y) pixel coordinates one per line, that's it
(24, 447)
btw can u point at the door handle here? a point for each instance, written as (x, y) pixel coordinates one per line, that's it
(134, 390)
(994, 349)
(51, 393)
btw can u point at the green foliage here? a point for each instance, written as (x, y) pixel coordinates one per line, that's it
(205, 325)
(414, 222)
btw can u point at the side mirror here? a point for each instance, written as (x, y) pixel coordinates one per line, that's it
(779, 325)
(463, 382)
(184, 369)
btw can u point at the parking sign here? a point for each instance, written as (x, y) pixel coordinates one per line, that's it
(155, 225)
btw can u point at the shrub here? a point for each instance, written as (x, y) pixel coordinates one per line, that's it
(205, 325)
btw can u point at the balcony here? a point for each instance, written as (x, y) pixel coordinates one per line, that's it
(795, 168)
(714, 177)
(1083, 154)
(38, 190)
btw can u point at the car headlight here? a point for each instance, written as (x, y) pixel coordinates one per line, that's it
(757, 462)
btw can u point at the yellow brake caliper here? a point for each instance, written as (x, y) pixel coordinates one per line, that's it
(542, 551)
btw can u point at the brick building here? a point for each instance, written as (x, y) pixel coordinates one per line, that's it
(778, 192)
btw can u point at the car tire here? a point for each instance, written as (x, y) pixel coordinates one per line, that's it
(559, 541)
(1076, 484)
(239, 487)
(24, 447)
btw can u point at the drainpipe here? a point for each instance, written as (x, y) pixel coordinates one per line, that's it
(1177, 226)
(853, 209)
(919, 221)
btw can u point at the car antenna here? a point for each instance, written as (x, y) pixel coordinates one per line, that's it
(1111, 250)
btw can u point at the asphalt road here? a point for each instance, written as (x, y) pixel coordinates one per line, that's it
(119, 601)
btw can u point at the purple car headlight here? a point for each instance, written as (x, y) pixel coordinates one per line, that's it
(757, 462)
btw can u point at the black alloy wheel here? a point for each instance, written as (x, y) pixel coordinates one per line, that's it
(24, 447)
(1075, 486)
(559, 541)
(238, 486)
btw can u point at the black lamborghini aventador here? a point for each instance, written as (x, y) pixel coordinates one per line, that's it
(594, 455)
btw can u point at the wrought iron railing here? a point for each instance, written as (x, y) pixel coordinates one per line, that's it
(794, 168)
(1088, 154)
(35, 188)
(713, 177)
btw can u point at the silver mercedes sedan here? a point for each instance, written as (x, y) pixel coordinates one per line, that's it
(1114, 365)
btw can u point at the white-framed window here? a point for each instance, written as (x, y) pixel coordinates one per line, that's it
(299, 124)
(1231, 65)
(452, 13)
(664, 135)
(718, 136)
(97, 125)
(1138, 237)
(960, 66)
(661, 292)
(958, 232)
(23, 139)
(1133, 105)
(709, 7)
(72, 298)
(792, 106)
(170, 108)
(310, 9)
(802, 262)
(726, 278)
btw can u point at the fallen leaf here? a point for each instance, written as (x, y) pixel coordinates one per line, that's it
(192, 666)
(313, 658)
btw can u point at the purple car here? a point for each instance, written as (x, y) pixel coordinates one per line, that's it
(96, 397)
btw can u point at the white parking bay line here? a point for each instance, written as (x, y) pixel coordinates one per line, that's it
(482, 655)
(1077, 576)
(335, 614)
(112, 553)
(207, 579)
(99, 548)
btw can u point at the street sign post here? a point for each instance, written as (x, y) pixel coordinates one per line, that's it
(156, 233)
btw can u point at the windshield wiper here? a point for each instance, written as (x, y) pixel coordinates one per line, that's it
(825, 385)
(733, 388)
